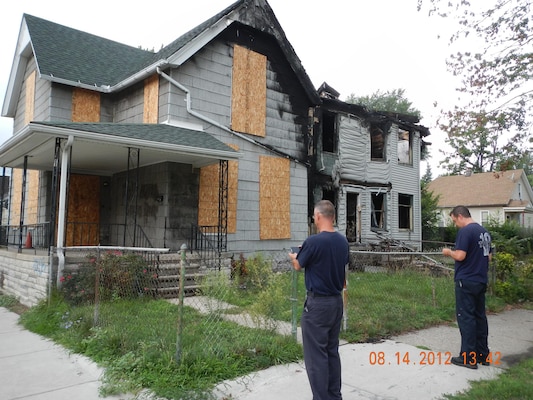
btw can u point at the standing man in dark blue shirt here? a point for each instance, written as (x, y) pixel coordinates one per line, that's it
(323, 257)
(472, 254)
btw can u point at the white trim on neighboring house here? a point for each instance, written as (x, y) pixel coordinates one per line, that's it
(484, 216)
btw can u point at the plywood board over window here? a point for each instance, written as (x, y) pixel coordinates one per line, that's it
(274, 198)
(32, 176)
(83, 211)
(248, 97)
(16, 196)
(208, 194)
(30, 98)
(151, 100)
(85, 105)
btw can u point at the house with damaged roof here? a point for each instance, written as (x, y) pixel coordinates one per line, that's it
(220, 137)
(368, 164)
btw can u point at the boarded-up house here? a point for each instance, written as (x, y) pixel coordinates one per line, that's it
(118, 145)
(218, 132)
(219, 138)
(501, 196)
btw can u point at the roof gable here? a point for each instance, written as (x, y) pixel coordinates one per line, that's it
(70, 56)
(477, 190)
(253, 13)
(77, 56)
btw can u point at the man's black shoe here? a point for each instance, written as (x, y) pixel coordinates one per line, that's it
(460, 362)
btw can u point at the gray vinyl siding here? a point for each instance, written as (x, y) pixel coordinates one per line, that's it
(208, 77)
(129, 107)
(20, 121)
(60, 103)
(42, 106)
(405, 179)
(107, 107)
(354, 163)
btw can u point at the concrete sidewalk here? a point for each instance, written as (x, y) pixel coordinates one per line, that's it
(378, 371)
(32, 367)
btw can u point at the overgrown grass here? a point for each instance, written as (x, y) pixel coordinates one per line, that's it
(11, 303)
(515, 383)
(381, 305)
(137, 345)
(135, 340)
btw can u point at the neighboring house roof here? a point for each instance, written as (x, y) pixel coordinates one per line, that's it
(77, 58)
(493, 189)
(103, 147)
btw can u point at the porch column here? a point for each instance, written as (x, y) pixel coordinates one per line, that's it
(223, 205)
(22, 201)
(131, 194)
(65, 161)
(53, 205)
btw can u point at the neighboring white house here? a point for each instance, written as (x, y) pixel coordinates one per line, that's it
(502, 196)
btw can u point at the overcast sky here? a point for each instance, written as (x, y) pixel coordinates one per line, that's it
(355, 46)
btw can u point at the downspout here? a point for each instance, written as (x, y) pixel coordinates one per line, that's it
(213, 122)
(65, 158)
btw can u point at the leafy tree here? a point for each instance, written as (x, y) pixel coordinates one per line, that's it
(391, 101)
(429, 213)
(492, 129)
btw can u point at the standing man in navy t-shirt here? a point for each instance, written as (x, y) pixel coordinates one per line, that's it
(472, 254)
(323, 257)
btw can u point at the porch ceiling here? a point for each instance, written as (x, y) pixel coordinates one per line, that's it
(102, 149)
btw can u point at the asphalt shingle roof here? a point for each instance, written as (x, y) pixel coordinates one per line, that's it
(78, 56)
(160, 133)
(484, 189)
(177, 44)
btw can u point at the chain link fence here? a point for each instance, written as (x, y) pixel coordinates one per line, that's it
(260, 294)
(210, 303)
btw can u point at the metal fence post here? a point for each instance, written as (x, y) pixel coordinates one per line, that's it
(98, 267)
(180, 305)
(50, 272)
(294, 299)
(492, 269)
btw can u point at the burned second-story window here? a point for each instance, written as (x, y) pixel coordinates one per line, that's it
(405, 148)
(329, 132)
(377, 142)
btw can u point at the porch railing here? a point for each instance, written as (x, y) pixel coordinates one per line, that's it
(37, 236)
(34, 236)
(84, 233)
(204, 239)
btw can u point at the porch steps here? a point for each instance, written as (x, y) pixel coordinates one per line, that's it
(167, 271)
(168, 275)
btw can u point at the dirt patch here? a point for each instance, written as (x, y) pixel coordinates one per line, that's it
(12, 304)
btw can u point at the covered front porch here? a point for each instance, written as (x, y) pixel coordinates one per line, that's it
(110, 184)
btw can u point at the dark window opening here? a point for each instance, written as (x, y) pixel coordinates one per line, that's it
(329, 132)
(378, 217)
(377, 143)
(351, 217)
(405, 211)
(329, 195)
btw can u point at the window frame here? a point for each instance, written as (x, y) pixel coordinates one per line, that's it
(405, 212)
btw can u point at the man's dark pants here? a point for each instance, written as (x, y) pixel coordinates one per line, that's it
(321, 324)
(472, 319)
